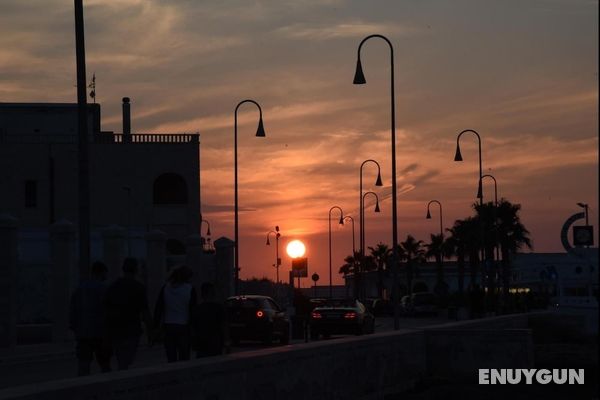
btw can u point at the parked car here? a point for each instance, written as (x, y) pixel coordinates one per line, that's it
(253, 317)
(420, 303)
(341, 317)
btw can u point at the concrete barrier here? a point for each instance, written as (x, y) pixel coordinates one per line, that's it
(366, 367)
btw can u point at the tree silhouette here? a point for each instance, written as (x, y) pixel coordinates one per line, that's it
(436, 249)
(381, 254)
(413, 253)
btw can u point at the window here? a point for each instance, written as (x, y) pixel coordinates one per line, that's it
(170, 188)
(30, 194)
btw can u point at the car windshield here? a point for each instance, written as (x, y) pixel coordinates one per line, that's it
(242, 303)
(339, 303)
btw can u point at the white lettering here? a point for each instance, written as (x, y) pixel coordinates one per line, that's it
(498, 376)
(543, 376)
(484, 376)
(513, 376)
(559, 376)
(528, 375)
(576, 375)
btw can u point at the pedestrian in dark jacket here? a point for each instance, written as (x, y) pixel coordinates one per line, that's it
(86, 319)
(174, 308)
(126, 308)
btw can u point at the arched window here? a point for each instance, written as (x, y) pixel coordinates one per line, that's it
(170, 188)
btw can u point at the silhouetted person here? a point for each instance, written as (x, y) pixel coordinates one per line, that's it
(126, 306)
(86, 319)
(210, 324)
(174, 308)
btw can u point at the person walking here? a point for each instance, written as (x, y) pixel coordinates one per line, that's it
(174, 308)
(86, 320)
(126, 305)
(209, 324)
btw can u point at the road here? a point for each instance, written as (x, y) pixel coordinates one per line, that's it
(20, 372)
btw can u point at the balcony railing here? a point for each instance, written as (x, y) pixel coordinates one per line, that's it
(103, 138)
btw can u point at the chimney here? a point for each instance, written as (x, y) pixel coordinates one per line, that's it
(126, 120)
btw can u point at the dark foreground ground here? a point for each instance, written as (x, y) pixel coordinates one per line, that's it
(556, 346)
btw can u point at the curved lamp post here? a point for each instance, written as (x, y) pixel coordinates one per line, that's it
(362, 207)
(495, 209)
(441, 218)
(353, 242)
(277, 236)
(207, 226)
(341, 223)
(359, 79)
(378, 182)
(458, 157)
(260, 132)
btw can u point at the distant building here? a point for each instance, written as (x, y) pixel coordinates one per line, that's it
(566, 275)
(140, 181)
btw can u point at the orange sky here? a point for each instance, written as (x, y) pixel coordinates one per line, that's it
(523, 74)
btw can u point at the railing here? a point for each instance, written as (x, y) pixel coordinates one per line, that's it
(103, 138)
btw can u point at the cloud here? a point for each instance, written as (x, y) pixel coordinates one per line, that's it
(344, 30)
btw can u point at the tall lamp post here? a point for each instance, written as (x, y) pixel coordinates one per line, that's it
(362, 227)
(378, 182)
(277, 236)
(353, 241)
(495, 210)
(441, 218)
(260, 132)
(359, 79)
(341, 223)
(458, 157)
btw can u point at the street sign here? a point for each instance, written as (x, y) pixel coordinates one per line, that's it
(300, 267)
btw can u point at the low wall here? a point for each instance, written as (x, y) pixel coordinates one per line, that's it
(366, 367)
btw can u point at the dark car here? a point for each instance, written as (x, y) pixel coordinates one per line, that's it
(341, 317)
(254, 317)
(421, 303)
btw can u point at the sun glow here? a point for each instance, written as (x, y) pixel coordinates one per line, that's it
(295, 249)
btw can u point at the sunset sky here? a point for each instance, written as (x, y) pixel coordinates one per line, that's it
(524, 74)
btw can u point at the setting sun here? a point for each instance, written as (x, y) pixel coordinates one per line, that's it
(295, 249)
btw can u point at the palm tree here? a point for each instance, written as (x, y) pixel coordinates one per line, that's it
(436, 249)
(512, 237)
(381, 254)
(456, 246)
(412, 250)
(351, 266)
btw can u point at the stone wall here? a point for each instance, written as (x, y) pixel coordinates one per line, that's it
(367, 367)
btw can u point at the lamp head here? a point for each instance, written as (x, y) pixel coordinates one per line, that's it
(458, 156)
(428, 214)
(342, 220)
(359, 76)
(582, 205)
(208, 231)
(260, 132)
(268, 243)
(377, 207)
(379, 182)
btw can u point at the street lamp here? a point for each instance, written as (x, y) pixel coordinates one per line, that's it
(362, 227)
(260, 132)
(378, 182)
(441, 218)
(495, 187)
(359, 79)
(497, 246)
(458, 157)
(353, 244)
(341, 223)
(585, 207)
(277, 236)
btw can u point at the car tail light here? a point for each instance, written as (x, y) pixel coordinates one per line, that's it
(350, 315)
(316, 315)
(260, 314)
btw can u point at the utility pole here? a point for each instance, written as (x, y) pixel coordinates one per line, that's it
(83, 146)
